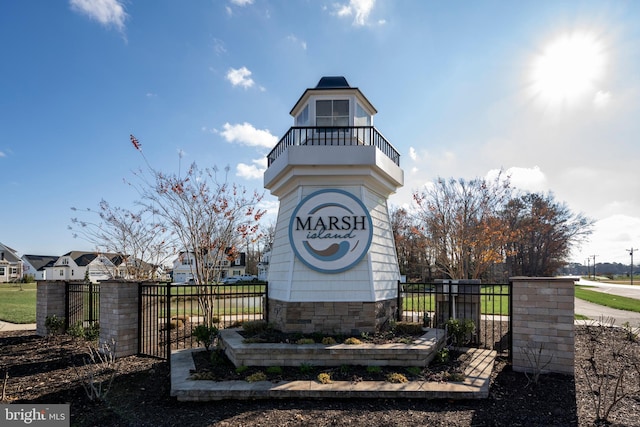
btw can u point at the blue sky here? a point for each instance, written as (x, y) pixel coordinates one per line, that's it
(547, 90)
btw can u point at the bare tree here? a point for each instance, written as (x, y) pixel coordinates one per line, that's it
(141, 243)
(211, 218)
(461, 222)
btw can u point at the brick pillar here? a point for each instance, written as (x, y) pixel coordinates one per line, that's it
(119, 316)
(543, 324)
(49, 302)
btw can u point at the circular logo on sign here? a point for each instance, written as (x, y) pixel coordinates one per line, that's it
(330, 231)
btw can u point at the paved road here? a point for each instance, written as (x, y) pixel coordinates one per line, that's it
(595, 311)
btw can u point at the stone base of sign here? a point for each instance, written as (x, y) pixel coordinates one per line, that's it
(332, 317)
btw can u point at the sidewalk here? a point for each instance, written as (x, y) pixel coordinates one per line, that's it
(5, 326)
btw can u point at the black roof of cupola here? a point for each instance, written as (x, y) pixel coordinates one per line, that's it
(333, 82)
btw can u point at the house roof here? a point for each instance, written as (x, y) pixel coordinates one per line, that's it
(39, 262)
(82, 259)
(332, 85)
(8, 254)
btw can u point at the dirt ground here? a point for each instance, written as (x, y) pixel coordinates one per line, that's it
(41, 370)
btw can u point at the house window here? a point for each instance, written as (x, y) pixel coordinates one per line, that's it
(2, 271)
(72, 272)
(65, 261)
(61, 272)
(362, 118)
(332, 112)
(303, 118)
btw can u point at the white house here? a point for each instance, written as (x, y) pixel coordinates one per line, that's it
(263, 265)
(36, 265)
(78, 265)
(184, 267)
(10, 265)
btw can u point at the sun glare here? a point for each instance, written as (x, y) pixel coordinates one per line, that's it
(568, 70)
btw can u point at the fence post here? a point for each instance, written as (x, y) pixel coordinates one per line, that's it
(119, 316)
(50, 301)
(543, 324)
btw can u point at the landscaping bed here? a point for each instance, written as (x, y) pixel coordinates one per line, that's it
(42, 371)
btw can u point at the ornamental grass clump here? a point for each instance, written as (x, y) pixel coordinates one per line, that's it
(396, 378)
(256, 377)
(324, 378)
(352, 341)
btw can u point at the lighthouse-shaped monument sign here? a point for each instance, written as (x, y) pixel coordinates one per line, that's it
(333, 266)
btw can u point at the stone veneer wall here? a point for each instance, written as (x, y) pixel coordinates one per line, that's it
(49, 302)
(331, 317)
(119, 316)
(543, 324)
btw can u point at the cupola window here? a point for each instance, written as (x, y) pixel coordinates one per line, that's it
(332, 112)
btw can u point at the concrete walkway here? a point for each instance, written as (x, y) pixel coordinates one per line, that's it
(6, 326)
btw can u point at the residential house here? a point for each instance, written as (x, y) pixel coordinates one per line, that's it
(10, 265)
(184, 266)
(36, 265)
(78, 265)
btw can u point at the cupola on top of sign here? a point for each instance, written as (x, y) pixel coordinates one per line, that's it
(333, 103)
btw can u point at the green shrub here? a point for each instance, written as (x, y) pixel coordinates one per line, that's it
(205, 335)
(302, 341)
(459, 332)
(274, 370)
(92, 332)
(442, 356)
(374, 369)
(54, 324)
(241, 369)
(256, 327)
(328, 341)
(306, 368)
(76, 330)
(414, 370)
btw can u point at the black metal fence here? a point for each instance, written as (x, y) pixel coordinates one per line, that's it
(168, 313)
(488, 306)
(334, 135)
(82, 304)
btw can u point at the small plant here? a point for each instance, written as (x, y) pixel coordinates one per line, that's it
(324, 378)
(101, 361)
(632, 333)
(76, 330)
(303, 341)
(274, 370)
(396, 378)
(256, 327)
(217, 357)
(306, 368)
(256, 377)
(241, 369)
(205, 335)
(414, 370)
(537, 360)
(92, 332)
(442, 356)
(54, 324)
(459, 332)
(455, 377)
(374, 369)
(352, 341)
(426, 320)
(344, 369)
(328, 341)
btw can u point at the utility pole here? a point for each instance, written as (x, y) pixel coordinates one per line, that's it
(594, 266)
(631, 253)
(589, 267)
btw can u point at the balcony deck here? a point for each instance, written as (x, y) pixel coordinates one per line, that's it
(334, 136)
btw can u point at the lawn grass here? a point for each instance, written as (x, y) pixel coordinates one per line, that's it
(18, 302)
(608, 300)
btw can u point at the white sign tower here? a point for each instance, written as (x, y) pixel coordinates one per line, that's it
(333, 265)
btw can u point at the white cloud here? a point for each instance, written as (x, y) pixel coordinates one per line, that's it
(242, 2)
(413, 154)
(240, 77)
(218, 47)
(252, 171)
(246, 134)
(359, 9)
(527, 179)
(2, 154)
(611, 239)
(106, 12)
(601, 99)
(295, 40)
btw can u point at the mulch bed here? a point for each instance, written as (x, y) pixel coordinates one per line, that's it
(46, 371)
